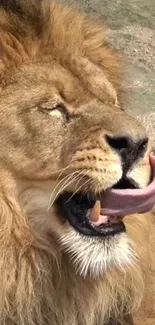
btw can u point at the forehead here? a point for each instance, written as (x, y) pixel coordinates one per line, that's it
(44, 81)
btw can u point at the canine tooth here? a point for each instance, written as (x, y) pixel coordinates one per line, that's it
(95, 212)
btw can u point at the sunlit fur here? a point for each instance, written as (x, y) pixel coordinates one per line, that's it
(94, 259)
(49, 274)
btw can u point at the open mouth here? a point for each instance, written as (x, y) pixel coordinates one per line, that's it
(86, 217)
(102, 216)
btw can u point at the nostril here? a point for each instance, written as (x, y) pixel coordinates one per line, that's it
(118, 143)
(142, 145)
(129, 148)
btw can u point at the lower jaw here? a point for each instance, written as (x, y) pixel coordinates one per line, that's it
(94, 257)
(108, 230)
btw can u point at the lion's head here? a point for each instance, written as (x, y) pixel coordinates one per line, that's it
(63, 122)
(68, 147)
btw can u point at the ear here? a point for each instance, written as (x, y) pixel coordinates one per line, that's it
(95, 79)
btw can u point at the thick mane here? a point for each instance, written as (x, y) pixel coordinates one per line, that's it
(40, 28)
(39, 285)
(23, 15)
(51, 22)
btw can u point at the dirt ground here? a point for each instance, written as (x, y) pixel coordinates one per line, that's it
(132, 30)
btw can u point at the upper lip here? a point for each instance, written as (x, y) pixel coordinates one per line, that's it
(125, 183)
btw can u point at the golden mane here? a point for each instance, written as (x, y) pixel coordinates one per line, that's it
(39, 285)
(42, 28)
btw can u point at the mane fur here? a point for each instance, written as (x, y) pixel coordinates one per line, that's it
(38, 283)
(40, 286)
(37, 29)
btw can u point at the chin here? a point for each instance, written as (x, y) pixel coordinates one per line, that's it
(94, 256)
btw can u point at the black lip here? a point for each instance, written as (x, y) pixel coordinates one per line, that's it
(124, 183)
(74, 208)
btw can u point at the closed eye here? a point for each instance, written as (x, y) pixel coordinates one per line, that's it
(46, 108)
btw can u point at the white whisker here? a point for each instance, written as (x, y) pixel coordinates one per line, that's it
(65, 182)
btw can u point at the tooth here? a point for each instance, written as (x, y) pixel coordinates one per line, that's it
(95, 211)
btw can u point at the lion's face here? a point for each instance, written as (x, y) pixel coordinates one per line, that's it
(56, 130)
(64, 133)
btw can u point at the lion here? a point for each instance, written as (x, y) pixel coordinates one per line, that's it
(76, 175)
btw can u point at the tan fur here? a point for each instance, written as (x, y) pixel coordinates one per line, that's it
(50, 54)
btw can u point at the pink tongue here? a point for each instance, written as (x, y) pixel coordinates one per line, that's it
(117, 202)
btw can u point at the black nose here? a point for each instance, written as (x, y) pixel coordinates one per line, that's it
(129, 150)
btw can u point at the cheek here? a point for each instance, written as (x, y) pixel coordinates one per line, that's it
(46, 153)
(35, 157)
(35, 145)
(42, 161)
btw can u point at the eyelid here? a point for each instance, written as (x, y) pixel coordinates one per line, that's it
(59, 106)
(62, 109)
